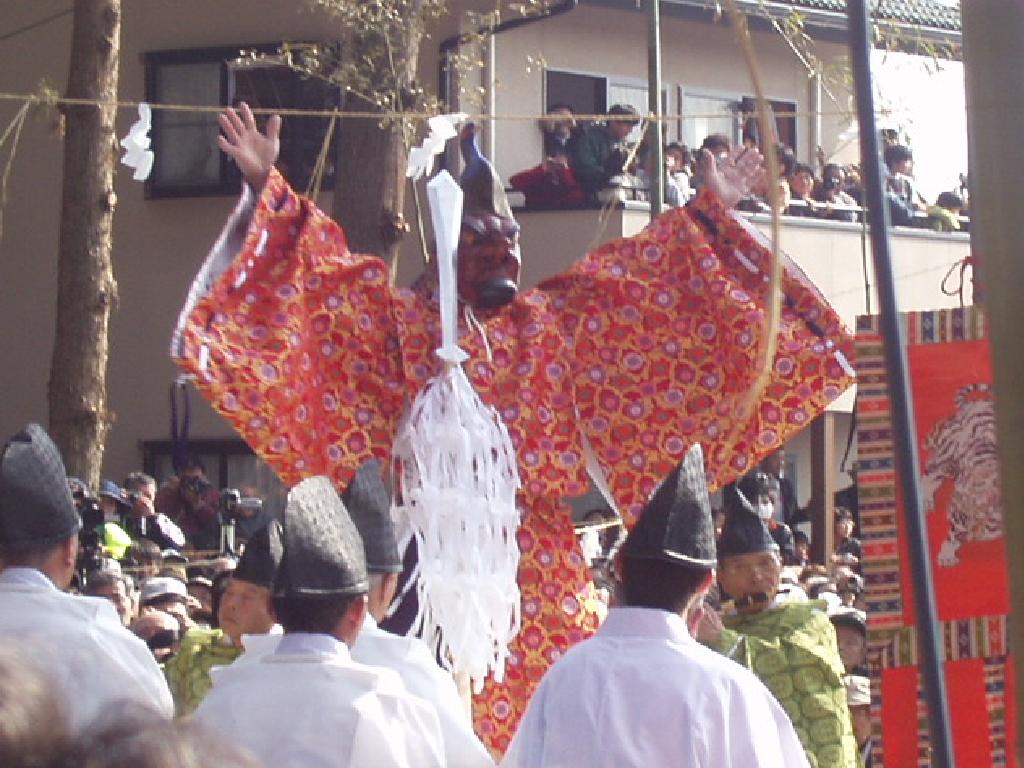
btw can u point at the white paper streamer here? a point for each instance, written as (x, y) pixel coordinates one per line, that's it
(137, 153)
(456, 483)
(442, 128)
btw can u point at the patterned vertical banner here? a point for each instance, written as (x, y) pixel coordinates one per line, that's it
(951, 381)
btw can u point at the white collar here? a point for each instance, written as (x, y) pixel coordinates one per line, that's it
(646, 623)
(309, 643)
(31, 577)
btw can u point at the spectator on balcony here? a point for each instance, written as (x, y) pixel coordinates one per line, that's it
(601, 153)
(944, 216)
(719, 146)
(677, 174)
(836, 204)
(904, 199)
(552, 183)
(801, 191)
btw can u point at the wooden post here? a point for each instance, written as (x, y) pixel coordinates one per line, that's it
(823, 487)
(993, 33)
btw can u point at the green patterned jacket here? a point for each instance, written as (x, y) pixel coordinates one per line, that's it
(792, 648)
(188, 673)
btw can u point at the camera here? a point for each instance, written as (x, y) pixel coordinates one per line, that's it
(232, 506)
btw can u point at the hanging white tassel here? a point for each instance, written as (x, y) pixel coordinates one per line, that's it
(456, 483)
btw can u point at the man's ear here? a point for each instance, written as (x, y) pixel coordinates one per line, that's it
(352, 622)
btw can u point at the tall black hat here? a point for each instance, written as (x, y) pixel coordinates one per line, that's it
(322, 552)
(676, 525)
(258, 564)
(36, 508)
(480, 183)
(744, 533)
(369, 504)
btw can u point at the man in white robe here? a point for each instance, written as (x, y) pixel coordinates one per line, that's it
(642, 692)
(308, 704)
(94, 661)
(368, 503)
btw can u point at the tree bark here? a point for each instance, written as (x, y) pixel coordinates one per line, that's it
(369, 186)
(86, 290)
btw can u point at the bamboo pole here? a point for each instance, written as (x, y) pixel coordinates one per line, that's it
(993, 34)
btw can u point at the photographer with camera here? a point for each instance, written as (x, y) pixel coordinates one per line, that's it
(143, 520)
(191, 502)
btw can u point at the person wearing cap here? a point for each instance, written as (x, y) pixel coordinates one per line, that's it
(643, 691)
(628, 347)
(244, 609)
(600, 154)
(80, 641)
(858, 699)
(851, 627)
(115, 506)
(369, 504)
(308, 704)
(791, 646)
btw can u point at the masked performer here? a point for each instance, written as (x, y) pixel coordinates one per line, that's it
(643, 347)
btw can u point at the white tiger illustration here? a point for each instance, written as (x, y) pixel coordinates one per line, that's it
(962, 449)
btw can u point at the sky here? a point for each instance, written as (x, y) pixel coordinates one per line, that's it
(926, 97)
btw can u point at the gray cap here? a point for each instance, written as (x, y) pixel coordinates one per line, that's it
(321, 552)
(677, 525)
(369, 504)
(36, 508)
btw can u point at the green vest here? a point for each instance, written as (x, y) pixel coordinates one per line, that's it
(792, 649)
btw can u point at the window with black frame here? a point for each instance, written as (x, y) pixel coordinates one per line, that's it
(187, 161)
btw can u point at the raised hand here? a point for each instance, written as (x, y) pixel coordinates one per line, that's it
(731, 177)
(255, 153)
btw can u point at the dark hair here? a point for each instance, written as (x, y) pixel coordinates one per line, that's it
(799, 537)
(716, 141)
(194, 462)
(623, 110)
(787, 159)
(137, 480)
(29, 555)
(145, 552)
(34, 730)
(949, 200)
(802, 168)
(560, 105)
(897, 153)
(319, 614)
(653, 583)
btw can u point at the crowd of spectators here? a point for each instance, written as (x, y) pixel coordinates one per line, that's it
(592, 165)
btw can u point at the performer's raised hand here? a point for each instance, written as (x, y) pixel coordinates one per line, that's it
(253, 151)
(731, 177)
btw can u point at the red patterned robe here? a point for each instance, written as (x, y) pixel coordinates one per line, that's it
(645, 346)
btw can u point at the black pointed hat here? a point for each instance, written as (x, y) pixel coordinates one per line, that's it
(676, 525)
(479, 181)
(36, 508)
(744, 533)
(322, 552)
(369, 504)
(258, 564)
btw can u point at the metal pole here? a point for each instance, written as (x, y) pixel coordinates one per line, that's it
(993, 36)
(904, 429)
(655, 131)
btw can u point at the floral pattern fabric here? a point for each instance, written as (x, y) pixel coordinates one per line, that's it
(644, 346)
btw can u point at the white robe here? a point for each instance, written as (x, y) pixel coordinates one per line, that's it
(412, 660)
(79, 641)
(642, 692)
(308, 705)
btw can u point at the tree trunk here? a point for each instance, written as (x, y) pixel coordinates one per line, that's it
(86, 290)
(369, 186)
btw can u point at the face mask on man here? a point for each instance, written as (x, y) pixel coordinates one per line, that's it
(765, 510)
